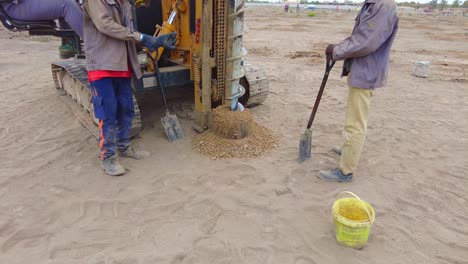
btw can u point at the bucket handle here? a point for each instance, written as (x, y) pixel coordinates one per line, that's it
(371, 220)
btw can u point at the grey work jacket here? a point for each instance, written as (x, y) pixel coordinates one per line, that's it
(367, 51)
(109, 38)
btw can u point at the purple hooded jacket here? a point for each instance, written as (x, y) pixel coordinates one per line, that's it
(367, 51)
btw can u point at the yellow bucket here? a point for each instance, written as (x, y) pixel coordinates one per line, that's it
(353, 219)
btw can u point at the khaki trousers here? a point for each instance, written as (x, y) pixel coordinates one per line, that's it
(355, 128)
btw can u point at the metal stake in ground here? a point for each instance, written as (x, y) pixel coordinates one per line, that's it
(305, 142)
(169, 122)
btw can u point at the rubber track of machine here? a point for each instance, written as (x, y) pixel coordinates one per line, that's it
(258, 85)
(72, 77)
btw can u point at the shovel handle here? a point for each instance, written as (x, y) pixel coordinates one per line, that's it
(159, 82)
(328, 68)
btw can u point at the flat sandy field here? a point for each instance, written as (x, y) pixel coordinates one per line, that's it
(57, 206)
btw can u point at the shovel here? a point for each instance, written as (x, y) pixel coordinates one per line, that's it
(305, 142)
(170, 122)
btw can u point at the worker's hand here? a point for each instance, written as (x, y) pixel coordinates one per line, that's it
(329, 51)
(166, 41)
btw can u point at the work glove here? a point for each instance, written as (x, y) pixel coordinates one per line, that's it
(329, 51)
(166, 41)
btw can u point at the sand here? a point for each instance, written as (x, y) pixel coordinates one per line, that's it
(179, 206)
(234, 135)
(232, 124)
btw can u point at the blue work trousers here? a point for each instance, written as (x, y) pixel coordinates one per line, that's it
(113, 106)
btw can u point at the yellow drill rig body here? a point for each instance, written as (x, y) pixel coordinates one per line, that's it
(209, 56)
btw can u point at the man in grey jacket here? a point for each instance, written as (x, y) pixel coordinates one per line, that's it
(111, 59)
(366, 55)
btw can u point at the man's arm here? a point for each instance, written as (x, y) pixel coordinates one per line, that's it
(372, 32)
(96, 9)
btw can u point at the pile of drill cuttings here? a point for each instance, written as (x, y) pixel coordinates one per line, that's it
(258, 140)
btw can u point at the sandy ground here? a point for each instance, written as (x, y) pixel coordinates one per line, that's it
(57, 206)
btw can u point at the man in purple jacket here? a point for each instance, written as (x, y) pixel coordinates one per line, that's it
(366, 55)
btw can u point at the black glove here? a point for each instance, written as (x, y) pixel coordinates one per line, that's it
(329, 51)
(166, 41)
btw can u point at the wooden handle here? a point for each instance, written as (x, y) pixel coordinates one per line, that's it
(328, 68)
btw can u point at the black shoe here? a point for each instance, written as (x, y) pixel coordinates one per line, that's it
(335, 175)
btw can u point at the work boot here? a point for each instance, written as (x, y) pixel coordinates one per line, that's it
(134, 154)
(112, 167)
(336, 175)
(67, 50)
(337, 150)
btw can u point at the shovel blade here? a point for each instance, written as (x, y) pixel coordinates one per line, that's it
(305, 146)
(172, 127)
